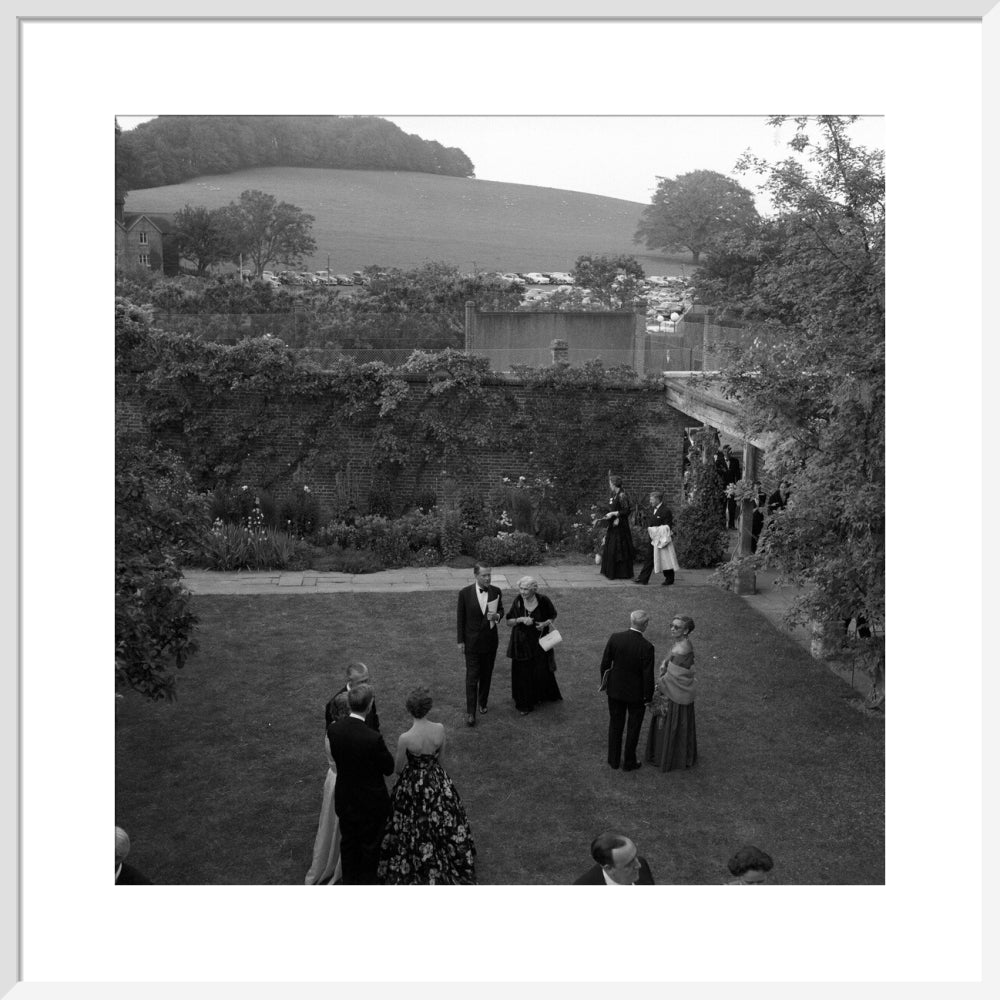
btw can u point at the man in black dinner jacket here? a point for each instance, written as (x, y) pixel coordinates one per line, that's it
(661, 515)
(477, 638)
(618, 863)
(628, 664)
(360, 797)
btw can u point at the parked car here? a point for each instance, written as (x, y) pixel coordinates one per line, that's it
(343, 279)
(560, 278)
(536, 278)
(511, 278)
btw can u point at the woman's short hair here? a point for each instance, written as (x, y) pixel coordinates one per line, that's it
(750, 858)
(688, 622)
(615, 481)
(527, 581)
(419, 702)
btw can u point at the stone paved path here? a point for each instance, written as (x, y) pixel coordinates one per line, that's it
(770, 601)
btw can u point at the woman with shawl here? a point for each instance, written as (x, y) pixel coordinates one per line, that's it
(672, 743)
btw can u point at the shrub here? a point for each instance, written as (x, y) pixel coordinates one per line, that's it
(393, 547)
(336, 533)
(451, 535)
(425, 501)
(700, 536)
(248, 546)
(428, 556)
(300, 513)
(517, 549)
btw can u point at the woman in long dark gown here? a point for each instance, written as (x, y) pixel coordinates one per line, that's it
(428, 840)
(618, 553)
(532, 679)
(672, 743)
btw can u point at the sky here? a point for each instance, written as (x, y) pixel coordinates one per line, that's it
(620, 157)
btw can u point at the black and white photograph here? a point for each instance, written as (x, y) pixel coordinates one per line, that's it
(514, 488)
(365, 364)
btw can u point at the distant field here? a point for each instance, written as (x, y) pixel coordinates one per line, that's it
(398, 219)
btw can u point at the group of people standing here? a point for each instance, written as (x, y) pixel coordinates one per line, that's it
(618, 553)
(416, 835)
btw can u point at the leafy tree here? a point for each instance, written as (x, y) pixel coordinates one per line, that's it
(174, 148)
(812, 379)
(265, 230)
(614, 282)
(158, 518)
(123, 166)
(200, 236)
(690, 210)
(700, 536)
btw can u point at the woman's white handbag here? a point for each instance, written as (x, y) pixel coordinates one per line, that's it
(550, 639)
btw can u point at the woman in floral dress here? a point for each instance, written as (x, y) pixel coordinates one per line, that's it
(428, 840)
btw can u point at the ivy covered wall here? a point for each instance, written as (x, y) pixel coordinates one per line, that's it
(441, 424)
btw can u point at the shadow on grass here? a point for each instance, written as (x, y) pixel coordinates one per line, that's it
(224, 785)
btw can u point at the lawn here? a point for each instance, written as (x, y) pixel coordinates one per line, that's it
(403, 219)
(224, 785)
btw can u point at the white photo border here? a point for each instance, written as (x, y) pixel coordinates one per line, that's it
(374, 947)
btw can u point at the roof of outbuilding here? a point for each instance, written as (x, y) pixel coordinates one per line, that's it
(163, 223)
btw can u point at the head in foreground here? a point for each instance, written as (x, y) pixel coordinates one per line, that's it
(618, 856)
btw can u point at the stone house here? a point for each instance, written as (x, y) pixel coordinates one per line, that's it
(145, 240)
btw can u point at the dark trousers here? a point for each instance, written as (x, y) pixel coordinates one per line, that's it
(478, 674)
(647, 568)
(617, 711)
(360, 840)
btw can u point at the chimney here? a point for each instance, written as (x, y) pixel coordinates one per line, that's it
(560, 352)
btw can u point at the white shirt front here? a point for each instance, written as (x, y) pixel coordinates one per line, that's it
(483, 596)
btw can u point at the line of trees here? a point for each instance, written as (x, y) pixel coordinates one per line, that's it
(174, 148)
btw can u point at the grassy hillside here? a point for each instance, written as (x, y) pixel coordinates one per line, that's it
(400, 219)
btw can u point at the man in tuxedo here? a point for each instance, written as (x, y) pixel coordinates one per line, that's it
(617, 863)
(477, 638)
(628, 663)
(728, 466)
(360, 797)
(125, 874)
(661, 515)
(337, 707)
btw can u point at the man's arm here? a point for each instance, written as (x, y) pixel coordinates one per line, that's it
(647, 672)
(386, 762)
(608, 659)
(461, 621)
(372, 719)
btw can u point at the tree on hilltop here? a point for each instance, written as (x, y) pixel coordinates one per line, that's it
(689, 210)
(265, 230)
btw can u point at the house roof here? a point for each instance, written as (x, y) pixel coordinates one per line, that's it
(161, 222)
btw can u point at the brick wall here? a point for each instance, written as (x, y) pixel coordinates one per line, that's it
(348, 453)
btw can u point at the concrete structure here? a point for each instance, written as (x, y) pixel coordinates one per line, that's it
(525, 338)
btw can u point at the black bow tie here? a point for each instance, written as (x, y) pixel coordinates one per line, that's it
(481, 591)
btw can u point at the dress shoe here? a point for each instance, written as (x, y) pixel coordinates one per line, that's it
(470, 720)
(614, 767)
(631, 767)
(667, 583)
(641, 583)
(482, 709)
(524, 712)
